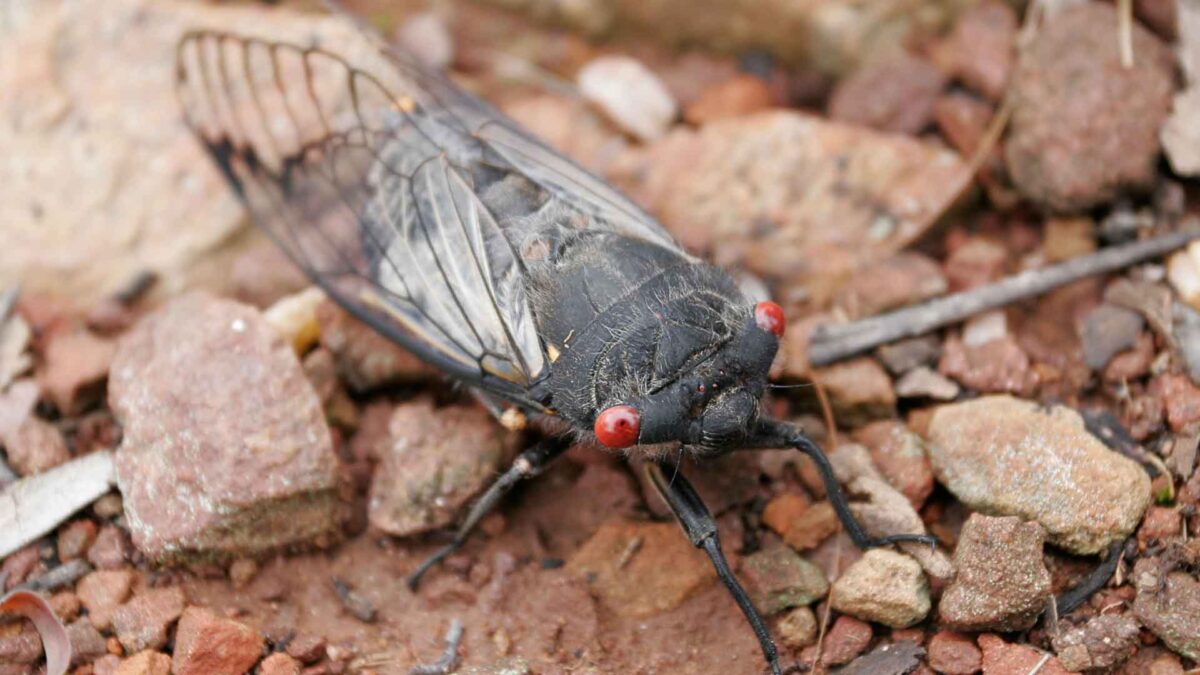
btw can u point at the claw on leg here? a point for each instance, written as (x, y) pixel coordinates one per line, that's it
(780, 434)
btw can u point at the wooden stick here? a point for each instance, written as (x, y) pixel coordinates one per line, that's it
(831, 343)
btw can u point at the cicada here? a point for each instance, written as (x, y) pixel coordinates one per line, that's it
(439, 221)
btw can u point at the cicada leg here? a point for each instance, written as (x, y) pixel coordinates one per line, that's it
(776, 434)
(701, 529)
(527, 465)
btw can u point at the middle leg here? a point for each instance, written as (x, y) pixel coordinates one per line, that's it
(698, 523)
(527, 465)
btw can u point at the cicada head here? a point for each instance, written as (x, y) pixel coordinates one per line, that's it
(712, 407)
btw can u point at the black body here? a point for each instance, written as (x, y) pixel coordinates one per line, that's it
(437, 220)
(636, 324)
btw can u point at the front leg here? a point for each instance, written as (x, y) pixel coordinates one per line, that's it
(693, 515)
(777, 434)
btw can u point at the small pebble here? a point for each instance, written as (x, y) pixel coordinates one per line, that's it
(632, 96)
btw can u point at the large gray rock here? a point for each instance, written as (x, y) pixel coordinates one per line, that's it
(225, 451)
(1005, 456)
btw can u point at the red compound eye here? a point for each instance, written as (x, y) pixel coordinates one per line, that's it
(769, 317)
(617, 427)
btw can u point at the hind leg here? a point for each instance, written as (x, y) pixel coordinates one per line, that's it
(529, 464)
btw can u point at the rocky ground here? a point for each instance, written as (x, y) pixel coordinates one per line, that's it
(210, 468)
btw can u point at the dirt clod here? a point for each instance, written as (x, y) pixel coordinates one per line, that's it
(1002, 583)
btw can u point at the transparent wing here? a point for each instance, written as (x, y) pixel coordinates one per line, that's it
(331, 162)
(369, 175)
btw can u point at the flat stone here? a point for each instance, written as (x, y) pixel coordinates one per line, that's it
(1002, 583)
(980, 50)
(86, 642)
(1181, 396)
(870, 195)
(641, 569)
(859, 390)
(148, 662)
(307, 647)
(75, 538)
(1003, 657)
(901, 458)
(798, 628)
(898, 281)
(75, 365)
(1002, 455)
(847, 638)
(15, 361)
(1104, 642)
(811, 527)
(925, 382)
(1161, 523)
(142, 623)
(1108, 330)
(1168, 603)
(366, 359)
(513, 665)
(953, 654)
(438, 459)
(226, 451)
(883, 587)
(740, 95)
(977, 261)
(36, 446)
(111, 549)
(1181, 135)
(905, 355)
(279, 664)
(963, 120)
(1084, 127)
(206, 643)
(1068, 237)
(882, 510)
(20, 648)
(101, 592)
(894, 94)
(17, 404)
(998, 365)
(837, 37)
(83, 229)
(778, 579)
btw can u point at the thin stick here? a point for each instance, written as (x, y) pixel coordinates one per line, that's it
(445, 662)
(8, 300)
(837, 563)
(1125, 32)
(830, 343)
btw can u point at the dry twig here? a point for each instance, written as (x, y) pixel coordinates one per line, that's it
(830, 343)
(445, 662)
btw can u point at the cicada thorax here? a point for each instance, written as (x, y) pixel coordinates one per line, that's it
(627, 323)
